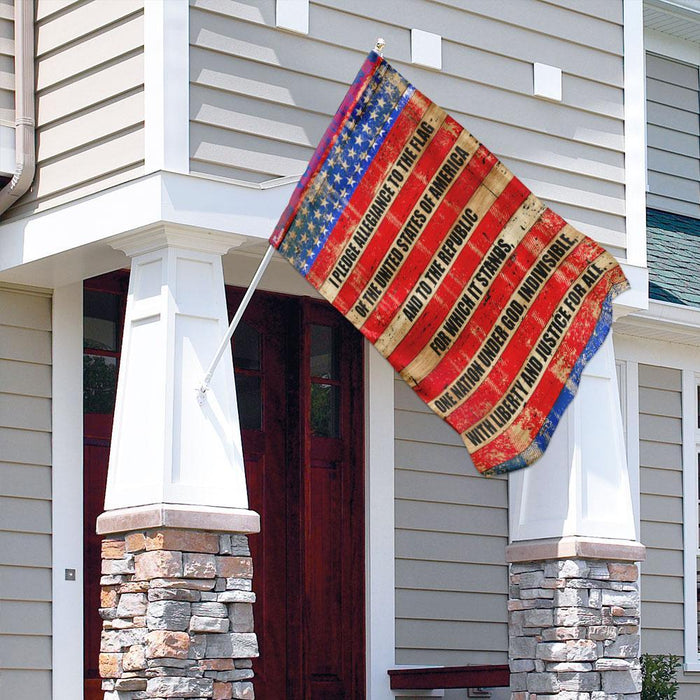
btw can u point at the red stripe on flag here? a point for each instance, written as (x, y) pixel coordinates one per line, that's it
(463, 268)
(428, 242)
(411, 191)
(489, 309)
(538, 407)
(362, 197)
(492, 387)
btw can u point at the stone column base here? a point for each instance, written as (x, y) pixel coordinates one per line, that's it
(573, 627)
(177, 612)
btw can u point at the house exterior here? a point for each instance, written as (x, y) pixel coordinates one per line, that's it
(169, 137)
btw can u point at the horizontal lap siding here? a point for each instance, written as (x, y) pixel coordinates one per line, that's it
(7, 63)
(451, 534)
(261, 98)
(673, 136)
(90, 101)
(25, 495)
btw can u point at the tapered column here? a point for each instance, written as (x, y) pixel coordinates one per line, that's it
(166, 447)
(176, 570)
(574, 597)
(580, 486)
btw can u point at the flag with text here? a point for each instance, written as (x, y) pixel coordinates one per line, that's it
(486, 302)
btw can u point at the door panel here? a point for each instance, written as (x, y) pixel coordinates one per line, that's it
(334, 505)
(305, 477)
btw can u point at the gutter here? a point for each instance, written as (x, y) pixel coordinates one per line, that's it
(24, 106)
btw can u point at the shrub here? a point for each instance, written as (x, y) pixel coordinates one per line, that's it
(659, 676)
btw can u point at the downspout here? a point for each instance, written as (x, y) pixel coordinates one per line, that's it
(24, 106)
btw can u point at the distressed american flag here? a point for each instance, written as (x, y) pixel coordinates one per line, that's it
(486, 302)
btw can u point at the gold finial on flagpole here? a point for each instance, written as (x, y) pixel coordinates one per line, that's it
(379, 46)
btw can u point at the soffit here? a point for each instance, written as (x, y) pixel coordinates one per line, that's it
(679, 18)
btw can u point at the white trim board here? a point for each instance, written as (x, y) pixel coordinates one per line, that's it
(92, 222)
(671, 46)
(663, 321)
(79, 234)
(629, 389)
(633, 458)
(167, 86)
(379, 518)
(635, 132)
(655, 352)
(67, 491)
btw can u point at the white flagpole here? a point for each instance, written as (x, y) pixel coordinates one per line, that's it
(202, 389)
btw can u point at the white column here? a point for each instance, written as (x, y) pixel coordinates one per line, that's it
(580, 486)
(379, 515)
(166, 447)
(67, 491)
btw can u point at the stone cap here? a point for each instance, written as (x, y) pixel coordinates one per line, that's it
(211, 518)
(575, 547)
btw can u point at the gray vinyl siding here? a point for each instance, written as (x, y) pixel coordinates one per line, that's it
(7, 63)
(673, 136)
(661, 513)
(25, 494)
(90, 101)
(451, 533)
(261, 98)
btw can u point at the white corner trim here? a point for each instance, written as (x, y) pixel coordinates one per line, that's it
(690, 516)
(67, 491)
(635, 132)
(379, 517)
(166, 86)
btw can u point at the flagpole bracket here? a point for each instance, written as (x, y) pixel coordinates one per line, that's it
(379, 46)
(202, 391)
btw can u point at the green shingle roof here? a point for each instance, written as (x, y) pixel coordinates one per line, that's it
(673, 252)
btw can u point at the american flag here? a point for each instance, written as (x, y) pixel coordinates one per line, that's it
(484, 300)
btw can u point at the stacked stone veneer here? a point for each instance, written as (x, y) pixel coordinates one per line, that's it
(574, 630)
(177, 616)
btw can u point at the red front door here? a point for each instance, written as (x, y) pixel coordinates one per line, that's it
(299, 382)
